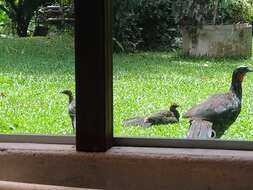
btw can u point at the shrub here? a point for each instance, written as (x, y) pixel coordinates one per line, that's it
(126, 34)
(154, 24)
(157, 23)
(192, 14)
(143, 25)
(235, 11)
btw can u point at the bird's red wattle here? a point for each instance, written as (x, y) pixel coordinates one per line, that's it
(241, 77)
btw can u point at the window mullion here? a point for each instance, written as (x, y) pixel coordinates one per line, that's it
(93, 75)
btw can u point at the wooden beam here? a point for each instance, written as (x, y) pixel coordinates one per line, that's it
(93, 75)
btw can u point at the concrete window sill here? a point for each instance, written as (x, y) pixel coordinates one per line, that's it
(7, 185)
(127, 167)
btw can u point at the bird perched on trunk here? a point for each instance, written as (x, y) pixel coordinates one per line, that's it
(156, 118)
(71, 107)
(211, 118)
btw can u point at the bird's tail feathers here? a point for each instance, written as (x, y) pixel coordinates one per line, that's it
(136, 121)
(201, 129)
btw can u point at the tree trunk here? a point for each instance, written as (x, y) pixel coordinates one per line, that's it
(22, 27)
(216, 4)
(22, 31)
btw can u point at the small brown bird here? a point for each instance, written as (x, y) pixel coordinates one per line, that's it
(156, 118)
(71, 107)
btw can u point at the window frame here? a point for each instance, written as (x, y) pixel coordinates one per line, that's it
(44, 139)
(95, 134)
(93, 36)
(93, 71)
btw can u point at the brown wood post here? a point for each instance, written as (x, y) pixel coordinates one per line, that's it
(93, 75)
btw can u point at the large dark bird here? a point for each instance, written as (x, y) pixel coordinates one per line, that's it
(71, 107)
(156, 118)
(211, 118)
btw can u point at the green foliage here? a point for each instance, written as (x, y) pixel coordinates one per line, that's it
(157, 23)
(65, 2)
(126, 33)
(146, 82)
(143, 25)
(153, 25)
(235, 11)
(3, 16)
(5, 24)
(193, 14)
(20, 12)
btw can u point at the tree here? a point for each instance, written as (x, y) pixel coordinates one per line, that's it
(21, 12)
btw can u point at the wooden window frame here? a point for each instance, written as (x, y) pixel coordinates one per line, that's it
(93, 58)
(93, 75)
(93, 53)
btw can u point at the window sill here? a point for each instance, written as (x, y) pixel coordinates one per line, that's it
(126, 167)
(7, 185)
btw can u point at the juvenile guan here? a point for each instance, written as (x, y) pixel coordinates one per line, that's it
(211, 118)
(71, 107)
(156, 118)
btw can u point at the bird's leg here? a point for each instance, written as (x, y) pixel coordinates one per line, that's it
(73, 122)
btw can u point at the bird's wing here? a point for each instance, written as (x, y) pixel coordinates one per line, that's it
(166, 120)
(161, 113)
(72, 107)
(159, 117)
(214, 106)
(201, 129)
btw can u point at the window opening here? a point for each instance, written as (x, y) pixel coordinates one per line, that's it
(37, 68)
(164, 64)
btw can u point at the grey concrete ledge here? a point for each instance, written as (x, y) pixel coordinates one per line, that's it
(8, 185)
(127, 167)
(128, 152)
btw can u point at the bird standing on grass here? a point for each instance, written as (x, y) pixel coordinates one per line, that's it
(156, 118)
(211, 118)
(71, 107)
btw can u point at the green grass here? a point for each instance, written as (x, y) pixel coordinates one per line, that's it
(32, 73)
(147, 82)
(34, 70)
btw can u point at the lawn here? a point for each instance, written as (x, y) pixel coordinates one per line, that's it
(147, 82)
(33, 71)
